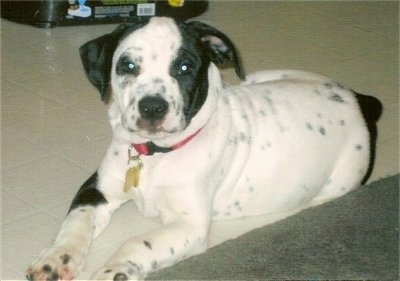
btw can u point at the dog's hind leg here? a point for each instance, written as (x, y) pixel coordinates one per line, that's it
(88, 215)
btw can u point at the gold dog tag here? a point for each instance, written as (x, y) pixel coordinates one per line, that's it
(132, 174)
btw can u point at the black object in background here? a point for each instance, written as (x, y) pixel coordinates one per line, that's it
(52, 13)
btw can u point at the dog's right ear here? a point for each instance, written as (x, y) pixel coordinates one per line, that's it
(96, 56)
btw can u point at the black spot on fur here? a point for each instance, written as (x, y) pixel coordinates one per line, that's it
(132, 263)
(237, 205)
(186, 243)
(47, 268)
(147, 244)
(359, 147)
(134, 267)
(154, 265)
(108, 271)
(322, 131)
(172, 251)
(309, 126)
(336, 97)
(131, 271)
(163, 89)
(53, 277)
(120, 277)
(157, 81)
(65, 259)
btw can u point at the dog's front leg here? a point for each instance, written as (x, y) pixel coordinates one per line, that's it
(186, 220)
(89, 214)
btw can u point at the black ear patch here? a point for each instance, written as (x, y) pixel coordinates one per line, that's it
(97, 54)
(221, 49)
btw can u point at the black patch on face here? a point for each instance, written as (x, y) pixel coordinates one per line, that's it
(127, 66)
(97, 55)
(190, 70)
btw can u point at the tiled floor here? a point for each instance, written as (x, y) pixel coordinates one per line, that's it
(55, 130)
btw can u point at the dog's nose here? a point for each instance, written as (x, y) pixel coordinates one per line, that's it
(153, 108)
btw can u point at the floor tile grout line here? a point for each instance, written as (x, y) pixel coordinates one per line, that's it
(68, 107)
(51, 152)
(37, 209)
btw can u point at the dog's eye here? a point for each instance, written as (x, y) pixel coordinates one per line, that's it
(126, 66)
(185, 68)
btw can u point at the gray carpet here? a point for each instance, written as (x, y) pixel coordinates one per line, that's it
(353, 237)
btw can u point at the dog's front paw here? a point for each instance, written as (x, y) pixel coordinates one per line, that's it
(120, 272)
(54, 264)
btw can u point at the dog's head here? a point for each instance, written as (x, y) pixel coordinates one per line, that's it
(158, 71)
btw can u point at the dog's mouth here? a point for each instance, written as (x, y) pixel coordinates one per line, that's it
(149, 129)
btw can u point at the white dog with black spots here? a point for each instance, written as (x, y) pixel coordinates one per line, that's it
(190, 149)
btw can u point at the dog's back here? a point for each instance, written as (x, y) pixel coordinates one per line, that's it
(298, 134)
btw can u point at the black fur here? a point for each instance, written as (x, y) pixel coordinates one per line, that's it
(88, 194)
(96, 56)
(371, 109)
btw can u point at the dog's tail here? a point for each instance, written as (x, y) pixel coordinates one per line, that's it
(371, 109)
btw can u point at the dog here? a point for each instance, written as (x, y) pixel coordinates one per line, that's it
(190, 149)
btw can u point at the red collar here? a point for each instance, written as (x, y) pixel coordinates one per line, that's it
(149, 148)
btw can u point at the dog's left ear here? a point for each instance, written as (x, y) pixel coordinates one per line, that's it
(221, 49)
(96, 56)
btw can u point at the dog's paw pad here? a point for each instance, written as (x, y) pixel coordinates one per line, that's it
(49, 273)
(53, 264)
